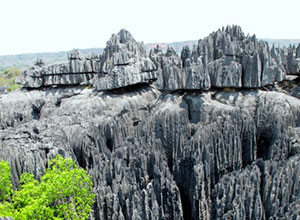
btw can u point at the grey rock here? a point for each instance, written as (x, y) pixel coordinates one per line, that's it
(225, 59)
(237, 195)
(225, 75)
(272, 65)
(231, 57)
(124, 76)
(197, 76)
(269, 75)
(179, 73)
(73, 73)
(296, 91)
(273, 74)
(171, 75)
(31, 78)
(185, 54)
(160, 156)
(3, 89)
(155, 153)
(298, 51)
(252, 70)
(293, 60)
(124, 63)
(281, 189)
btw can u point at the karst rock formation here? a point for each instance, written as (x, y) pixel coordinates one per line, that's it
(211, 133)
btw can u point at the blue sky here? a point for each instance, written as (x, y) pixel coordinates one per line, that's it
(56, 25)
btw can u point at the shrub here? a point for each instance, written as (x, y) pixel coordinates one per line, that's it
(8, 78)
(5, 181)
(65, 192)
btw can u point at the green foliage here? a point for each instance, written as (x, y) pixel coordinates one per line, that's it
(88, 87)
(65, 192)
(8, 78)
(12, 72)
(6, 209)
(14, 87)
(5, 180)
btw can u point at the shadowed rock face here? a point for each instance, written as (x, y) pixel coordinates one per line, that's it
(293, 60)
(155, 153)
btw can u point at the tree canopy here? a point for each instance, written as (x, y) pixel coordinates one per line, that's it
(65, 192)
(8, 78)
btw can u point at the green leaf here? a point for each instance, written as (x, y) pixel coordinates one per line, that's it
(65, 192)
(5, 180)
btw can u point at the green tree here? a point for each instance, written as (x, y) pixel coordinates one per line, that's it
(65, 192)
(5, 181)
(12, 71)
(5, 188)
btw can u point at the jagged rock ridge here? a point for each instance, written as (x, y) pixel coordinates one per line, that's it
(75, 72)
(196, 153)
(225, 59)
(124, 63)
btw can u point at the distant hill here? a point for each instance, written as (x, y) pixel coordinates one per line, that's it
(24, 61)
(282, 42)
(176, 45)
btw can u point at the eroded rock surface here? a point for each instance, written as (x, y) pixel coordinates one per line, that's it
(76, 71)
(226, 58)
(124, 63)
(293, 60)
(164, 156)
(158, 153)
